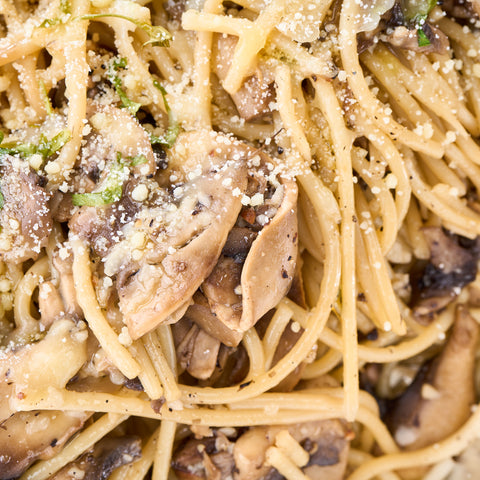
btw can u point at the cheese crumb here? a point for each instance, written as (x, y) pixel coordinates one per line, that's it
(124, 337)
(140, 193)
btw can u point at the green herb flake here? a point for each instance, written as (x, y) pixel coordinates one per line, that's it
(46, 100)
(65, 7)
(423, 40)
(65, 10)
(159, 36)
(50, 22)
(173, 129)
(2, 200)
(416, 11)
(112, 188)
(49, 147)
(45, 147)
(130, 105)
(138, 160)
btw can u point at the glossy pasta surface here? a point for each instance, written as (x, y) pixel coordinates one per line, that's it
(239, 240)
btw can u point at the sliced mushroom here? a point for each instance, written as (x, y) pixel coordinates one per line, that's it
(452, 265)
(289, 338)
(326, 441)
(163, 283)
(197, 351)
(269, 266)
(440, 398)
(99, 463)
(64, 266)
(201, 314)
(476, 6)
(50, 303)
(116, 131)
(459, 9)
(208, 458)
(253, 98)
(32, 367)
(25, 216)
(187, 233)
(29, 436)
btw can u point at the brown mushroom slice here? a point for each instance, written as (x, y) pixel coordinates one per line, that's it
(33, 367)
(460, 10)
(50, 303)
(25, 216)
(120, 132)
(270, 264)
(220, 287)
(326, 441)
(201, 314)
(180, 261)
(99, 463)
(241, 290)
(253, 98)
(64, 267)
(197, 351)
(452, 265)
(207, 458)
(418, 417)
(29, 436)
(288, 339)
(204, 355)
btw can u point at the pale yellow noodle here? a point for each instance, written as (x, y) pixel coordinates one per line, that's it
(96, 320)
(163, 453)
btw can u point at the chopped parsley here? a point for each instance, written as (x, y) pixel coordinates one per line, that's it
(159, 36)
(423, 40)
(46, 100)
(117, 65)
(45, 147)
(416, 11)
(112, 185)
(112, 188)
(65, 9)
(173, 128)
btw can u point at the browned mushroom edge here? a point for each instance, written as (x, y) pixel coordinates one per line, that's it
(22, 435)
(25, 217)
(240, 453)
(446, 384)
(98, 463)
(452, 266)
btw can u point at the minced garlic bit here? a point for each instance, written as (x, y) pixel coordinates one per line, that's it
(124, 337)
(140, 193)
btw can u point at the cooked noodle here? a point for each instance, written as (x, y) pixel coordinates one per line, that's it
(239, 240)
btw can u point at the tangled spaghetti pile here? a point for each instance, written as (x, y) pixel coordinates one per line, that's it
(239, 239)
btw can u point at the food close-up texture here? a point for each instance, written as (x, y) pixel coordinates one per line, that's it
(239, 239)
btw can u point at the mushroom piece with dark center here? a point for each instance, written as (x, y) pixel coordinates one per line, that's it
(25, 217)
(327, 443)
(29, 436)
(452, 266)
(256, 93)
(440, 398)
(99, 462)
(256, 268)
(26, 436)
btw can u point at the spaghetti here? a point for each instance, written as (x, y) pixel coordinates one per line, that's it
(239, 240)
